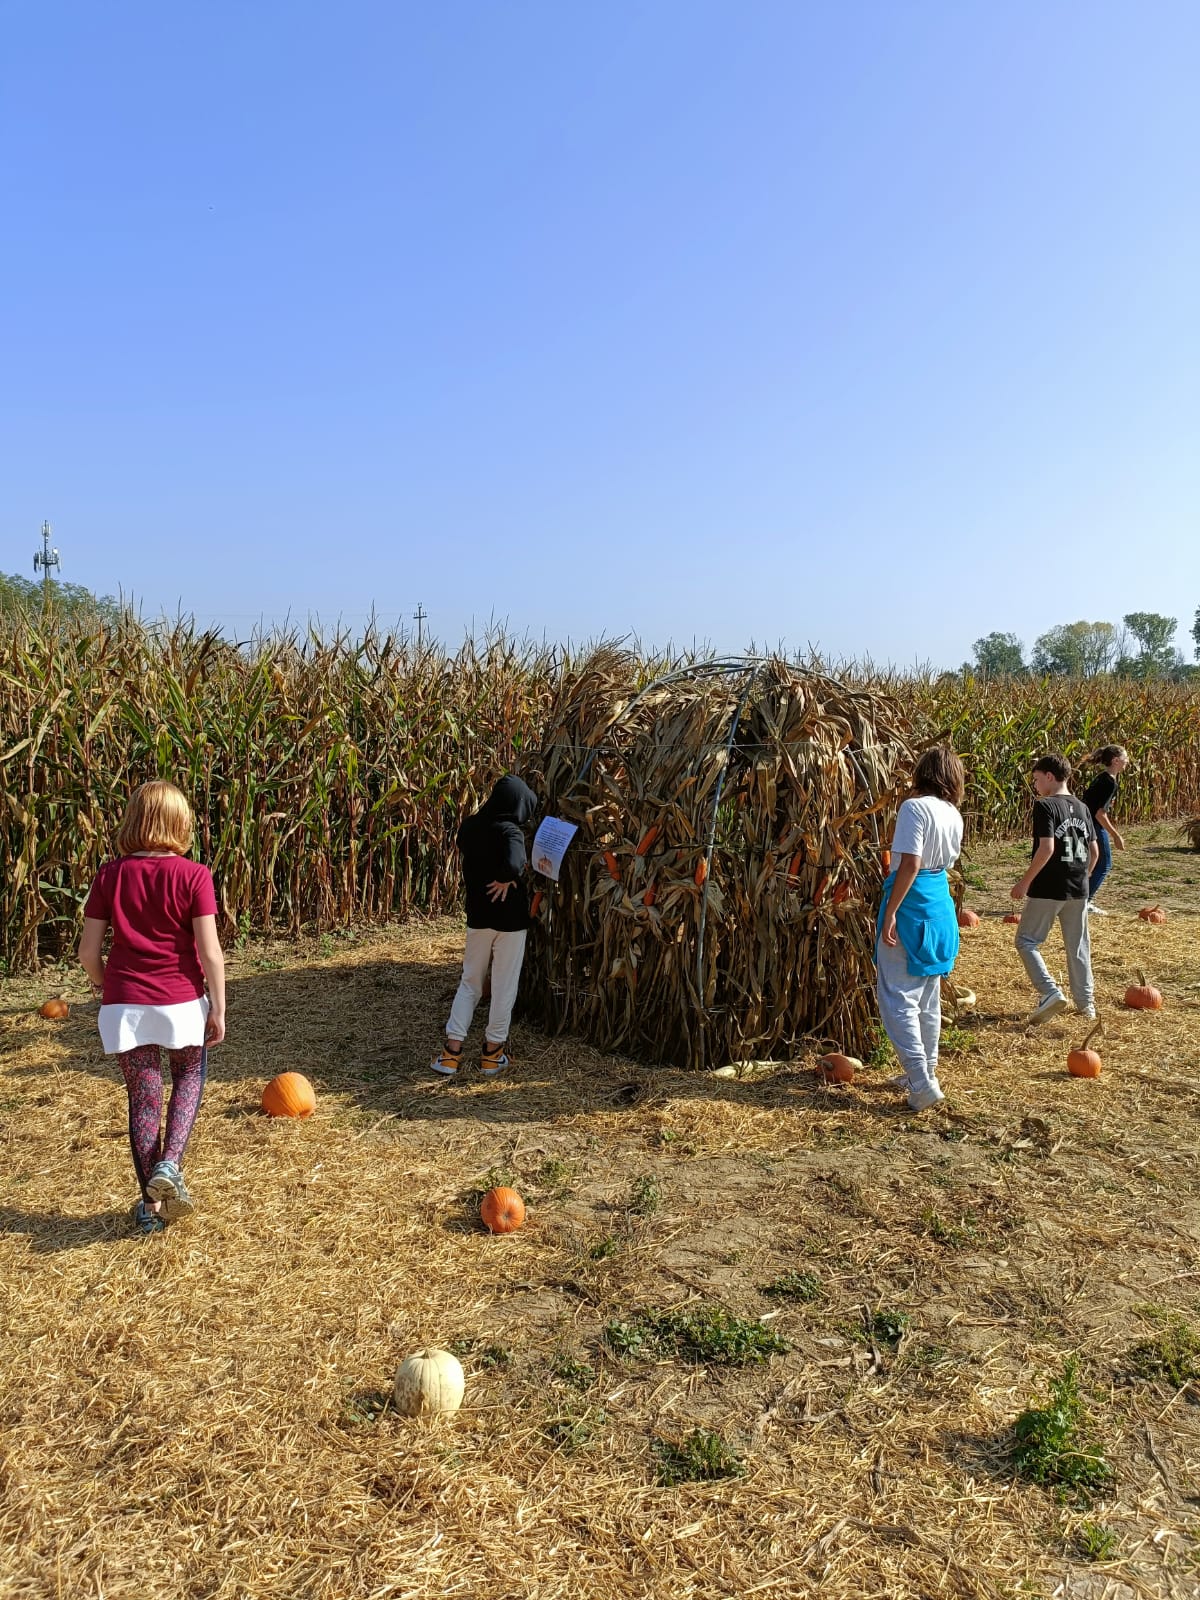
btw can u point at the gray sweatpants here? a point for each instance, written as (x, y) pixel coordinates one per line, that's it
(911, 1011)
(1037, 918)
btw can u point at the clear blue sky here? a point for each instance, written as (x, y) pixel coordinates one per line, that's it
(870, 325)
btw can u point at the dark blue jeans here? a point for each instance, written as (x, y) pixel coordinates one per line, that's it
(1103, 863)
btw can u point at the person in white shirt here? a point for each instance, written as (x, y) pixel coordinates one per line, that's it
(916, 941)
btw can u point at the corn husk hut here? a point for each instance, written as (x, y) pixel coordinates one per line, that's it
(717, 904)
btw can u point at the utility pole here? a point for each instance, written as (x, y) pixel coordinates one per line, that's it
(45, 558)
(419, 616)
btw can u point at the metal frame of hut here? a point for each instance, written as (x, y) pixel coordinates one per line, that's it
(718, 902)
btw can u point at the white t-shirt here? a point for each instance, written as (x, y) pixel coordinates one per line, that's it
(929, 828)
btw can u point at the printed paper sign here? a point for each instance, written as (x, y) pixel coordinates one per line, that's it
(550, 845)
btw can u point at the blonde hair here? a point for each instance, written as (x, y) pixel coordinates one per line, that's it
(158, 817)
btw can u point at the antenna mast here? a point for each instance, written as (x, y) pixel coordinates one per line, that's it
(419, 617)
(45, 558)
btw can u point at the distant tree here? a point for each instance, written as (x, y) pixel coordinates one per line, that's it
(998, 655)
(25, 596)
(1076, 650)
(1156, 655)
(1196, 633)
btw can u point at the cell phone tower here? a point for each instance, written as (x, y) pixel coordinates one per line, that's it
(45, 558)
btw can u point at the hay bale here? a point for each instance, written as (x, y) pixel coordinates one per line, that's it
(718, 902)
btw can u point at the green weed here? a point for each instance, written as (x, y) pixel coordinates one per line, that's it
(645, 1196)
(1095, 1542)
(794, 1286)
(1171, 1356)
(1051, 1444)
(699, 1457)
(697, 1334)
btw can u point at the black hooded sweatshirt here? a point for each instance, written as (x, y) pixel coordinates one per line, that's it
(492, 842)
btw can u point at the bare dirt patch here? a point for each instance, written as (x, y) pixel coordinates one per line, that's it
(205, 1414)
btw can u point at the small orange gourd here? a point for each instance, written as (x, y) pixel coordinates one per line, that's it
(289, 1095)
(1083, 1062)
(1011, 916)
(54, 1010)
(1154, 914)
(1143, 996)
(837, 1068)
(701, 875)
(502, 1210)
(968, 919)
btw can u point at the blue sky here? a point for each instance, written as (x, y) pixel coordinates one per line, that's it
(870, 326)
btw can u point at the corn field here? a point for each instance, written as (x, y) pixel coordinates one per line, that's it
(329, 774)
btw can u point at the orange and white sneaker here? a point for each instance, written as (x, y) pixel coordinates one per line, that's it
(493, 1061)
(446, 1062)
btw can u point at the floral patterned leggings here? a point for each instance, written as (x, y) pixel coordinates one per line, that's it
(142, 1070)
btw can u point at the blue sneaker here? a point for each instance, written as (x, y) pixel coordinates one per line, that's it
(167, 1186)
(146, 1221)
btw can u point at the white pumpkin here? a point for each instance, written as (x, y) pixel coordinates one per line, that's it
(429, 1381)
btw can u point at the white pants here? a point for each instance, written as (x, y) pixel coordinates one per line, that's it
(505, 951)
(911, 1011)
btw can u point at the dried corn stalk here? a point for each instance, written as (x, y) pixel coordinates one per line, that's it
(718, 902)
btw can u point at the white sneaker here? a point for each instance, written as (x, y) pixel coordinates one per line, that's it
(1089, 1014)
(926, 1099)
(1052, 1006)
(1093, 910)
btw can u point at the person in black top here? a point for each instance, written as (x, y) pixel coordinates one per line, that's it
(1098, 798)
(1055, 888)
(492, 845)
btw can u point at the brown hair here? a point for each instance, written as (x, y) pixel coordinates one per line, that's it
(940, 772)
(157, 817)
(1108, 753)
(1057, 766)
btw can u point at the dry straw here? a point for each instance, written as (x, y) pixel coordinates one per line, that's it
(200, 1417)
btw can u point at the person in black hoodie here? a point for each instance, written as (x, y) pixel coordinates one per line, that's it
(492, 845)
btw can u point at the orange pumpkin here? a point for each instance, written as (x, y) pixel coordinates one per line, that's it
(289, 1095)
(837, 1068)
(968, 919)
(1082, 1062)
(1143, 996)
(1154, 914)
(55, 1009)
(502, 1210)
(1011, 916)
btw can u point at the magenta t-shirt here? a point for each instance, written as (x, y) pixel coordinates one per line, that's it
(149, 902)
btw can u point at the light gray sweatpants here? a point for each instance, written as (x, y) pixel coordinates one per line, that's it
(1037, 918)
(505, 951)
(911, 1011)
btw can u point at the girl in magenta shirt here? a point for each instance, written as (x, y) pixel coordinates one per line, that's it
(162, 910)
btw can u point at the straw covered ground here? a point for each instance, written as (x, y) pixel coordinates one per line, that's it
(204, 1414)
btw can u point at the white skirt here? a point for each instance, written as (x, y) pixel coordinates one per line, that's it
(173, 1027)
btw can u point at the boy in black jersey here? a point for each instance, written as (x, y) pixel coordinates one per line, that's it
(1056, 884)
